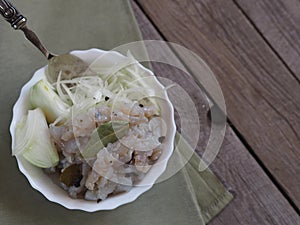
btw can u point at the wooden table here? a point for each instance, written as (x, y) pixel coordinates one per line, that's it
(253, 48)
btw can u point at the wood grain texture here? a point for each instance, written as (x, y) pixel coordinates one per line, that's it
(279, 22)
(257, 201)
(262, 96)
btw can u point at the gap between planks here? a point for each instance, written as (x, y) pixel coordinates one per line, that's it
(265, 39)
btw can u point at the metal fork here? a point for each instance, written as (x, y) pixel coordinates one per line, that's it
(18, 22)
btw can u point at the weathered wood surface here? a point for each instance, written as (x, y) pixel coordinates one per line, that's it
(279, 22)
(257, 200)
(261, 94)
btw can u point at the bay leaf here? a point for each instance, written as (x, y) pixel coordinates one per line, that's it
(106, 133)
(71, 176)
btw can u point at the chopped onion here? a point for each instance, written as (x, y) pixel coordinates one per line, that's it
(33, 140)
(43, 96)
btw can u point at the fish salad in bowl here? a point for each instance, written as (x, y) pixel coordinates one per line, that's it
(97, 134)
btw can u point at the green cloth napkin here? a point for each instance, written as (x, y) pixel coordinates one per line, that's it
(189, 197)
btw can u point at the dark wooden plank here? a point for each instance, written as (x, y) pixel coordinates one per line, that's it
(278, 21)
(257, 201)
(262, 96)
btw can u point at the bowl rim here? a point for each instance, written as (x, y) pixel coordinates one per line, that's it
(82, 204)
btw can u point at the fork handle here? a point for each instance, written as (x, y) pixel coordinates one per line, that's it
(12, 15)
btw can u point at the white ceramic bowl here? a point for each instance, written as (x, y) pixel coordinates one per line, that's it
(41, 182)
